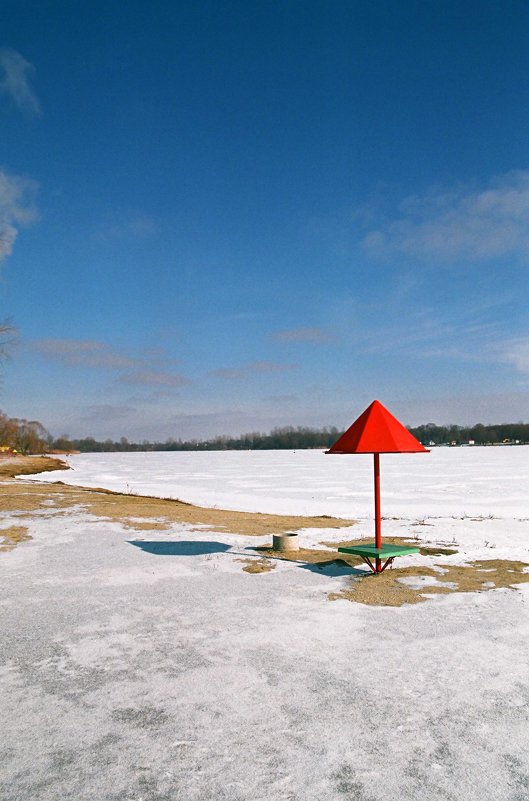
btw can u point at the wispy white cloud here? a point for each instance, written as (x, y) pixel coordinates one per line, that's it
(459, 225)
(153, 378)
(145, 396)
(90, 353)
(463, 409)
(223, 422)
(105, 412)
(15, 74)
(248, 370)
(83, 353)
(135, 226)
(310, 335)
(515, 352)
(282, 399)
(17, 208)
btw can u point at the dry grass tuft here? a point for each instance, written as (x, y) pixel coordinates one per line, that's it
(11, 466)
(257, 565)
(387, 589)
(146, 525)
(12, 536)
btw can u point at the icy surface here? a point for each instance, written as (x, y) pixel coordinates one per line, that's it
(446, 481)
(133, 675)
(472, 499)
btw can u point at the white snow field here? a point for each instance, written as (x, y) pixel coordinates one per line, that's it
(446, 481)
(128, 675)
(475, 496)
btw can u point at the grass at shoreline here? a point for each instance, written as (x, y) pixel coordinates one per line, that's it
(12, 466)
(137, 512)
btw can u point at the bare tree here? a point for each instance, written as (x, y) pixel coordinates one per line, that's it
(8, 334)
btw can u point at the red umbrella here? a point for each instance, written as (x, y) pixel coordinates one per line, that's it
(376, 431)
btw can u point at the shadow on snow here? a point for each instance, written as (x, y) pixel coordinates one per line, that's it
(334, 568)
(180, 548)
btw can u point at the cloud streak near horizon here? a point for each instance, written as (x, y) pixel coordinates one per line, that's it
(83, 353)
(516, 352)
(153, 378)
(93, 354)
(248, 370)
(459, 225)
(307, 335)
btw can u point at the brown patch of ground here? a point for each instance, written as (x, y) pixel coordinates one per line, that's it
(11, 466)
(146, 525)
(387, 589)
(139, 512)
(12, 536)
(432, 549)
(257, 565)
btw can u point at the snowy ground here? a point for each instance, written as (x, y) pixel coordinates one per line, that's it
(133, 676)
(473, 498)
(446, 481)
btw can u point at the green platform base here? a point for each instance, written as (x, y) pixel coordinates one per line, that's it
(386, 554)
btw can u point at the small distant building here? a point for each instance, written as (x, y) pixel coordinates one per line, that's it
(472, 442)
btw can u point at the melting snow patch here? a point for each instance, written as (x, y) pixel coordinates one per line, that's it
(418, 582)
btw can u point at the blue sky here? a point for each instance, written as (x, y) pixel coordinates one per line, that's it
(223, 217)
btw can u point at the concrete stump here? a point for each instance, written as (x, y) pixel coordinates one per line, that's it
(285, 542)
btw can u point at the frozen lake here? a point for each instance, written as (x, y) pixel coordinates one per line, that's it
(447, 482)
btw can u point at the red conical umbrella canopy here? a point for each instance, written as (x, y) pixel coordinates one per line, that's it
(377, 431)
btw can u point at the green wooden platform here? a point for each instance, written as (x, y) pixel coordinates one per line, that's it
(386, 553)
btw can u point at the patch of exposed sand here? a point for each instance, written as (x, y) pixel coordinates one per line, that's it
(11, 536)
(389, 589)
(257, 565)
(19, 497)
(11, 466)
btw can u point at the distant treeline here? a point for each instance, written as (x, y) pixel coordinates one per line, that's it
(30, 436)
(502, 433)
(290, 438)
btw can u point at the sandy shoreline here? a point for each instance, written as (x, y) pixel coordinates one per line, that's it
(28, 501)
(136, 511)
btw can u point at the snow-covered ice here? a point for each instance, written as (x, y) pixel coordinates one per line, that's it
(447, 481)
(128, 675)
(474, 498)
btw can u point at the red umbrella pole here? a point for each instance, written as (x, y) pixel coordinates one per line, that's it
(378, 525)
